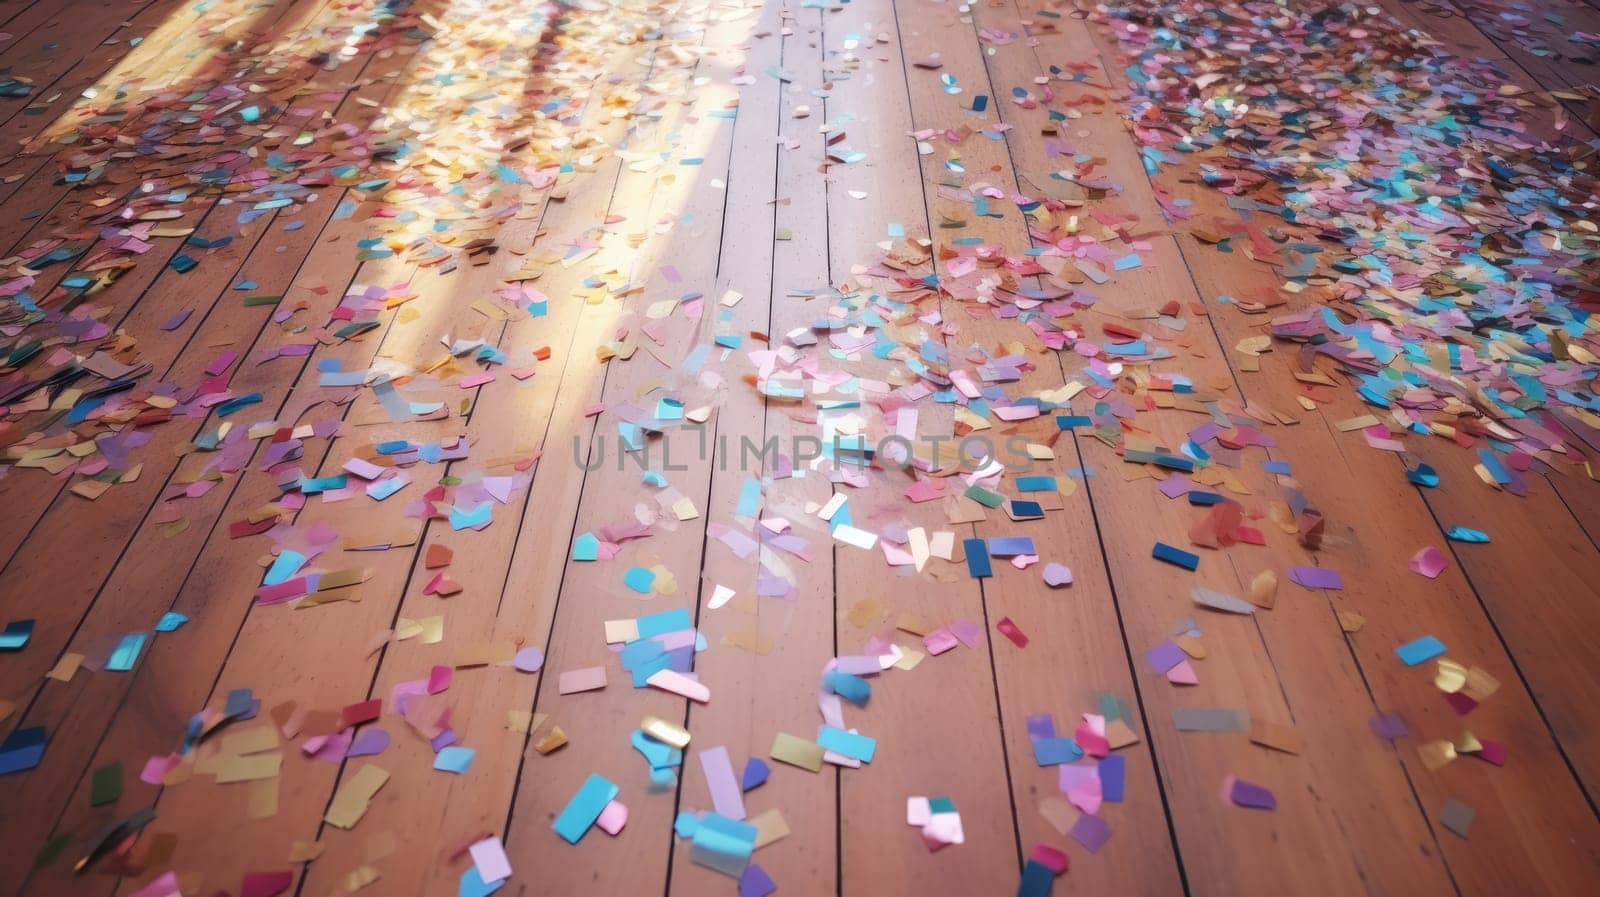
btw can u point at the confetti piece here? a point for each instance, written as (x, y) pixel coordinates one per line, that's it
(1010, 631)
(1051, 857)
(471, 884)
(369, 742)
(1389, 726)
(528, 660)
(1420, 651)
(639, 579)
(489, 856)
(1057, 575)
(587, 679)
(679, 684)
(723, 844)
(613, 818)
(16, 635)
(977, 552)
(453, 758)
(1113, 775)
(1429, 562)
(755, 882)
(550, 741)
(1316, 577)
(266, 884)
(1209, 719)
(1247, 794)
(1220, 601)
(1423, 475)
(797, 752)
(856, 747)
(355, 793)
(770, 827)
(171, 621)
(1457, 817)
(1091, 831)
(584, 808)
(66, 667)
(1278, 737)
(1055, 751)
(1164, 657)
(755, 774)
(665, 732)
(126, 654)
(105, 785)
(1264, 589)
(1175, 556)
(1037, 880)
(164, 885)
(725, 791)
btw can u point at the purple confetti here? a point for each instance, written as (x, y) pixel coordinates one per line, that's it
(1164, 657)
(528, 660)
(1389, 725)
(967, 631)
(1041, 725)
(755, 882)
(1057, 575)
(1249, 794)
(1316, 577)
(1091, 831)
(370, 741)
(1176, 484)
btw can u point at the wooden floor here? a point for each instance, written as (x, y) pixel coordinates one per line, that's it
(607, 225)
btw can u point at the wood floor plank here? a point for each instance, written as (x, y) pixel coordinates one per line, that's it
(55, 62)
(65, 34)
(614, 495)
(48, 26)
(159, 697)
(482, 802)
(1470, 31)
(1371, 550)
(10, 9)
(1083, 643)
(1075, 649)
(1541, 619)
(169, 292)
(938, 726)
(421, 805)
(1579, 491)
(49, 206)
(321, 675)
(91, 535)
(1542, 46)
(187, 47)
(172, 55)
(1581, 495)
(1277, 669)
(766, 653)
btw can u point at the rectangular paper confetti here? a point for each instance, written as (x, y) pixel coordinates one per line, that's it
(584, 808)
(726, 797)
